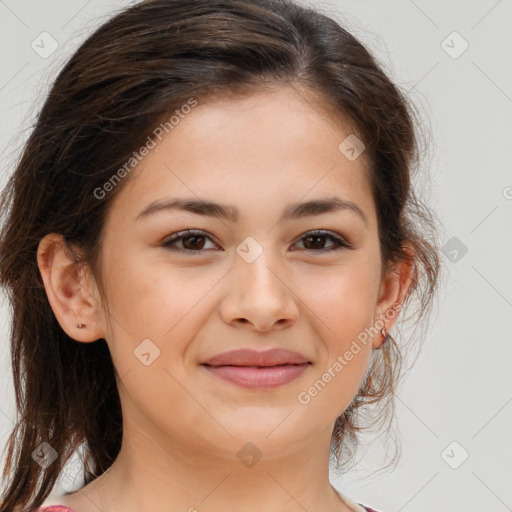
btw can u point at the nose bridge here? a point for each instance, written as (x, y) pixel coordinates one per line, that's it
(257, 266)
(259, 293)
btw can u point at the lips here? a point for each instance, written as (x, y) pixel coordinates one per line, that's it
(247, 357)
(258, 370)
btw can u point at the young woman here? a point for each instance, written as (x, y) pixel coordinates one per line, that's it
(206, 243)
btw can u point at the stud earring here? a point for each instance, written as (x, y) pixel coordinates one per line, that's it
(80, 326)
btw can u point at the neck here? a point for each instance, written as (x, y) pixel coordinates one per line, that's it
(158, 473)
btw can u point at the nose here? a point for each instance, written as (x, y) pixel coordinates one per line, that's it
(259, 296)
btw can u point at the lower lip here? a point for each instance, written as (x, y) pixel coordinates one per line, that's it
(253, 377)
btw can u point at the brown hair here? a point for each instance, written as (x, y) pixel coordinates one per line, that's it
(142, 64)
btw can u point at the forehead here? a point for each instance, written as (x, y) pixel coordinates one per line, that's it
(278, 145)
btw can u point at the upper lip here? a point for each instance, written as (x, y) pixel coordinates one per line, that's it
(248, 357)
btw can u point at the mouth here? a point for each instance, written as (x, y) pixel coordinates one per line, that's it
(258, 370)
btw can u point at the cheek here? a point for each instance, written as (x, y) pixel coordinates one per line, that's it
(343, 298)
(154, 311)
(342, 303)
(159, 302)
(342, 316)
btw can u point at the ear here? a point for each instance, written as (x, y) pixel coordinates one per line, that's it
(395, 285)
(73, 294)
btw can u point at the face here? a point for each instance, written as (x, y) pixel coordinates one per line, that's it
(258, 272)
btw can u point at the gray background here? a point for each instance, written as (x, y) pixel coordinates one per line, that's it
(459, 390)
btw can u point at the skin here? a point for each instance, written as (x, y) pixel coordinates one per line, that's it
(183, 427)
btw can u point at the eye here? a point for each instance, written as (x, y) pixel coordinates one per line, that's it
(313, 240)
(192, 240)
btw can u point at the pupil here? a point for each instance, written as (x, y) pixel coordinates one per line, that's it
(194, 244)
(315, 237)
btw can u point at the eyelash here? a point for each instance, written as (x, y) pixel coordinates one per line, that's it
(189, 233)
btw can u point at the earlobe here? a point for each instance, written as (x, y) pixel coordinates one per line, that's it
(68, 290)
(394, 290)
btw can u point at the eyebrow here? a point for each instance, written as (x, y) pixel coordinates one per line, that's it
(232, 213)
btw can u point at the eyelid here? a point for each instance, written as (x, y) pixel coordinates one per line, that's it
(178, 235)
(340, 241)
